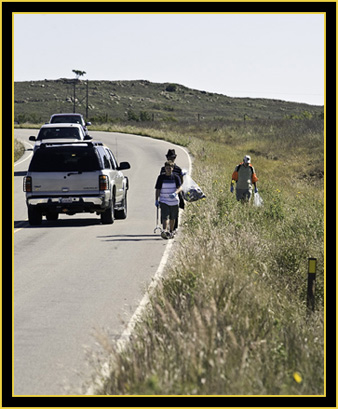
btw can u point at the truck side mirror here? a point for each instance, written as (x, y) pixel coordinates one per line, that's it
(124, 166)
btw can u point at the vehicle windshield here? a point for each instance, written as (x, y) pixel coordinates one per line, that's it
(59, 133)
(66, 119)
(65, 159)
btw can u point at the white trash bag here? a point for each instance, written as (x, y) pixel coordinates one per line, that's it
(258, 201)
(190, 190)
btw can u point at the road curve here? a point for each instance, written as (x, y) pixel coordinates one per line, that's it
(75, 277)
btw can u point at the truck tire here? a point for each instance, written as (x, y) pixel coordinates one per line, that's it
(107, 217)
(34, 216)
(121, 214)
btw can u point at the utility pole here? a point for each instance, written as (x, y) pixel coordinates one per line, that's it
(87, 102)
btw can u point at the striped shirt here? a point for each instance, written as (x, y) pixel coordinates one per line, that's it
(168, 185)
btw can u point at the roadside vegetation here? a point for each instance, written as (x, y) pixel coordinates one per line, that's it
(19, 150)
(230, 316)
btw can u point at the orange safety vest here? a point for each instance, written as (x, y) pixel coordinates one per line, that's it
(254, 177)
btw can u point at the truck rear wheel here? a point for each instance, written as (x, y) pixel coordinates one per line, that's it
(122, 212)
(34, 216)
(107, 217)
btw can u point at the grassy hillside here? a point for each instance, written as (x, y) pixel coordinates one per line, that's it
(135, 101)
(230, 316)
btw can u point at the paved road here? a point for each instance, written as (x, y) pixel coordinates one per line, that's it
(75, 276)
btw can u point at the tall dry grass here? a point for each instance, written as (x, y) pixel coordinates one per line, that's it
(230, 316)
(19, 150)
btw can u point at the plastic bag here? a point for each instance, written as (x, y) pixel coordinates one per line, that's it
(258, 201)
(191, 191)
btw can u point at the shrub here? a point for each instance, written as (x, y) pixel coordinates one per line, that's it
(145, 116)
(171, 88)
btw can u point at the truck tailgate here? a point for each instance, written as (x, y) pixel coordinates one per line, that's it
(65, 183)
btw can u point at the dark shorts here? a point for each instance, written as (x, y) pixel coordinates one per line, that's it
(243, 194)
(169, 212)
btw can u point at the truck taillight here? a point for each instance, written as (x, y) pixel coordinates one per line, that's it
(27, 184)
(103, 182)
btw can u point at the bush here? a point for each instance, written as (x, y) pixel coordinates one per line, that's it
(171, 88)
(132, 116)
(145, 116)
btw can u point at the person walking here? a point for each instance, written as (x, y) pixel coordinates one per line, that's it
(171, 157)
(168, 186)
(244, 176)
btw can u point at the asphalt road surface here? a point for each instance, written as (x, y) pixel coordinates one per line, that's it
(75, 277)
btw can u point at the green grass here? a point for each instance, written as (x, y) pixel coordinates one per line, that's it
(230, 316)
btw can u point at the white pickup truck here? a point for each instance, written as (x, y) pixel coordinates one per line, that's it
(75, 177)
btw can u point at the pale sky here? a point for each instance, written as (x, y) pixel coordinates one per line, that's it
(275, 56)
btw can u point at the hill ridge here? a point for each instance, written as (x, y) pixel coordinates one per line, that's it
(135, 100)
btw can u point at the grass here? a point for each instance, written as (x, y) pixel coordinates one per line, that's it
(230, 317)
(19, 149)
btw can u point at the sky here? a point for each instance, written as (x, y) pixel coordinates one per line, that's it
(275, 56)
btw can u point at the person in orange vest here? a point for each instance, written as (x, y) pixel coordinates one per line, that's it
(244, 176)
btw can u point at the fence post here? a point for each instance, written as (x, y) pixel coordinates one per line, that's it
(311, 283)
